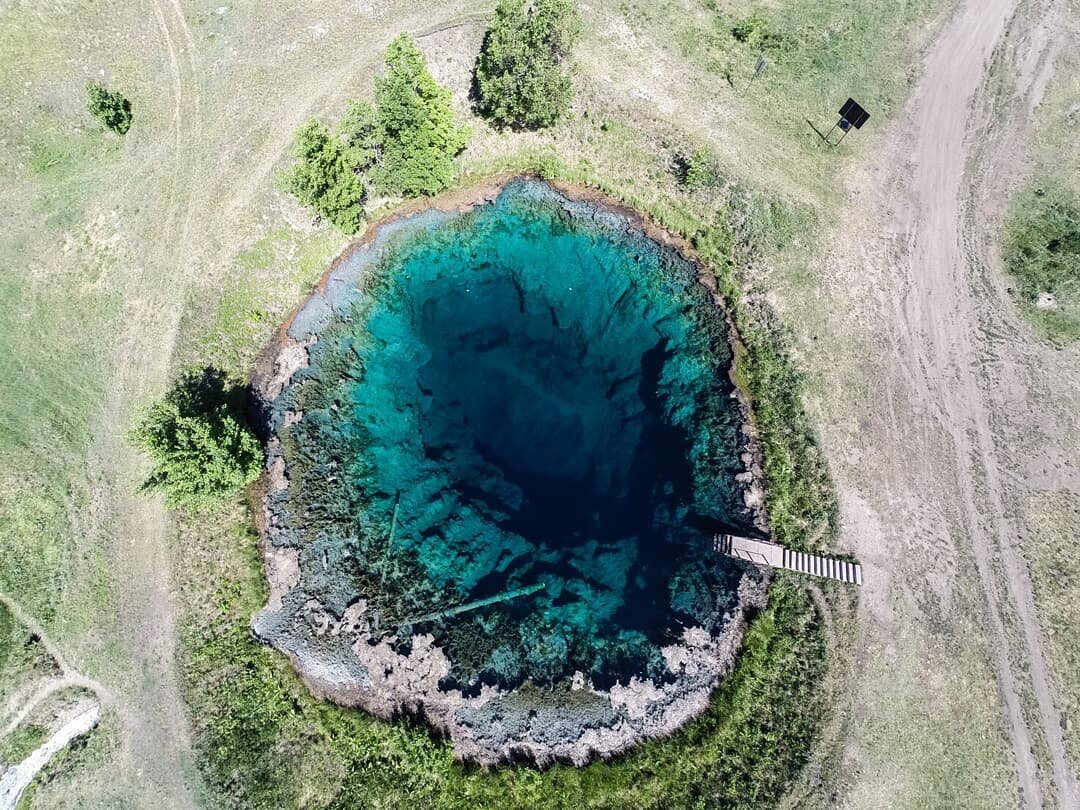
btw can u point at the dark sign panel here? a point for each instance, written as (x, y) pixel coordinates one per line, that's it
(853, 114)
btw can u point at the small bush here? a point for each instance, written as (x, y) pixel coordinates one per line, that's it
(547, 165)
(199, 442)
(698, 170)
(746, 29)
(111, 109)
(415, 125)
(757, 32)
(520, 79)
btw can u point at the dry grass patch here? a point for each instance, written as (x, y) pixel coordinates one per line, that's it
(1054, 555)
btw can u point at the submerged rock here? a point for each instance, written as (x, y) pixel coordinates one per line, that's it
(501, 439)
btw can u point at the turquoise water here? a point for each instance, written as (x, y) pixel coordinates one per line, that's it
(540, 393)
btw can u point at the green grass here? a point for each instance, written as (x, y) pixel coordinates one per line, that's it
(52, 380)
(18, 745)
(228, 329)
(1055, 573)
(1042, 255)
(818, 55)
(54, 330)
(22, 658)
(57, 155)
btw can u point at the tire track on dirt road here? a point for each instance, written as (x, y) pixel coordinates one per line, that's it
(932, 325)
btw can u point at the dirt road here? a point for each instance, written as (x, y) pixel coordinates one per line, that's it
(930, 482)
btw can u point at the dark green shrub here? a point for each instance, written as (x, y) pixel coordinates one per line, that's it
(757, 32)
(199, 442)
(745, 29)
(111, 109)
(415, 125)
(520, 79)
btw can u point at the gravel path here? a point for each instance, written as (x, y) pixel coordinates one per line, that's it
(17, 779)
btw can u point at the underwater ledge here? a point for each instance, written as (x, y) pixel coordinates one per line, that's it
(320, 547)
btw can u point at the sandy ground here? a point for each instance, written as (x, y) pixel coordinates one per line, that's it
(930, 479)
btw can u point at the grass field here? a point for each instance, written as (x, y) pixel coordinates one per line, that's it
(1055, 567)
(173, 247)
(1042, 232)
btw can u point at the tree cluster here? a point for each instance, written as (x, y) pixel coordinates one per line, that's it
(197, 437)
(403, 144)
(521, 81)
(111, 109)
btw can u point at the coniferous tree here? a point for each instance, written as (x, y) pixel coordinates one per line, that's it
(196, 435)
(416, 125)
(520, 78)
(326, 176)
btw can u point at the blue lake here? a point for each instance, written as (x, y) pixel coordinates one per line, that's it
(540, 392)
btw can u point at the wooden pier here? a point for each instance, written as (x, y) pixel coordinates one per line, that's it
(763, 552)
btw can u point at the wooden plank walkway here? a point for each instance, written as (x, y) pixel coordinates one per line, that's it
(763, 552)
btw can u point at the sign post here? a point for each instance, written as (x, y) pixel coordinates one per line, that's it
(759, 68)
(851, 115)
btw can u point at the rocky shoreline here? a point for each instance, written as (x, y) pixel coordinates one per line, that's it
(339, 652)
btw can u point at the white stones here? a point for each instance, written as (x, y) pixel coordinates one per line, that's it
(283, 572)
(1045, 301)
